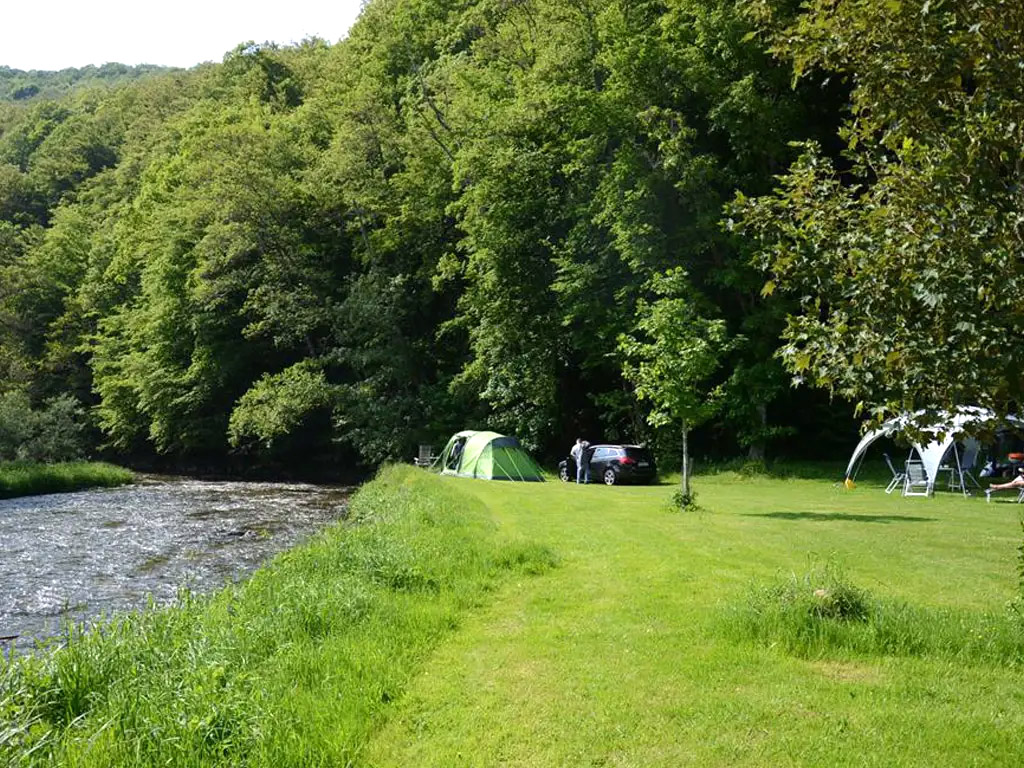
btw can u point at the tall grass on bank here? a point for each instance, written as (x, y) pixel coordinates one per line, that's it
(821, 614)
(25, 478)
(295, 667)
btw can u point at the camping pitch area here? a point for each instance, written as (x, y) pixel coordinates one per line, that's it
(682, 638)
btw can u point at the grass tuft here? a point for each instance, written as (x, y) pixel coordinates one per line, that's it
(527, 557)
(23, 478)
(821, 614)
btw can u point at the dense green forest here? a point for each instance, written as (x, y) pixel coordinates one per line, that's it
(19, 85)
(499, 212)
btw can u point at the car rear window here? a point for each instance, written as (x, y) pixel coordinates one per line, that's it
(640, 454)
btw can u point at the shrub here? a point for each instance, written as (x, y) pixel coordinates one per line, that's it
(59, 432)
(54, 433)
(16, 423)
(684, 502)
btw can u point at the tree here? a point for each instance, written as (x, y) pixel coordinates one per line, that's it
(277, 405)
(905, 254)
(672, 357)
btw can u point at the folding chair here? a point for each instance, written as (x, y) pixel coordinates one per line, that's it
(963, 469)
(916, 479)
(971, 453)
(897, 476)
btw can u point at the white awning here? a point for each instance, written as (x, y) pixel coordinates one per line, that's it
(951, 427)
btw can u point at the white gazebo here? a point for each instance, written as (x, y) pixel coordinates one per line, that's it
(942, 448)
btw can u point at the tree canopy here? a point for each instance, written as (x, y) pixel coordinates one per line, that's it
(906, 250)
(452, 217)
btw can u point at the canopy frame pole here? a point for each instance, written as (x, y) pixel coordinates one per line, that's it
(960, 470)
(860, 463)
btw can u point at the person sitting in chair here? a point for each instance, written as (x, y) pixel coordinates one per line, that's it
(1016, 482)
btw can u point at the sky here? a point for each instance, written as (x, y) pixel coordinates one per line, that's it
(55, 34)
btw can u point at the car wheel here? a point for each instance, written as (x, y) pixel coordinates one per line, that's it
(563, 473)
(610, 477)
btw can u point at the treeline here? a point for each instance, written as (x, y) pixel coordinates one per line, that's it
(21, 85)
(450, 218)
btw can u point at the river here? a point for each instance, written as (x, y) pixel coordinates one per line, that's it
(83, 555)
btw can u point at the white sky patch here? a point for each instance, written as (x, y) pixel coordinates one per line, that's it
(52, 35)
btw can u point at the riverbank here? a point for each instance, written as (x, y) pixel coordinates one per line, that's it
(296, 666)
(30, 478)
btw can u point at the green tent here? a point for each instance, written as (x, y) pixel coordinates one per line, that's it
(489, 456)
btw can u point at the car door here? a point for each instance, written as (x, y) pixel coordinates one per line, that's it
(599, 461)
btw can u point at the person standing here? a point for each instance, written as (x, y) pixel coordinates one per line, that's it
(581, 456)
(576, 452)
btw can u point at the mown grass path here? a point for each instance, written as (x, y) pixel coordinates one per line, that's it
(620, 657)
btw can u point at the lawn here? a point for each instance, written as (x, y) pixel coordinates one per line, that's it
(627, 654)
(462, 622)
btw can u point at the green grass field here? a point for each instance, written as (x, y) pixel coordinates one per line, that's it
(25, 478)
(628, 654)
(472, 623)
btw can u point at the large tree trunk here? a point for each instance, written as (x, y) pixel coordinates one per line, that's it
(686, 461)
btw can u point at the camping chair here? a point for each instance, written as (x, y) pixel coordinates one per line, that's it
(971, 453)
(916, 479)
(962, 469)
(426, 456)
(897, 476)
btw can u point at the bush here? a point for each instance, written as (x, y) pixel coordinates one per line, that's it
(16, 423)
(55, 433)
(684, 502)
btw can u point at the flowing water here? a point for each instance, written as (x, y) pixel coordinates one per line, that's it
(83, 555)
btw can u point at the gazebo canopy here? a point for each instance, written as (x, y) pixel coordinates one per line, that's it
(950, 428)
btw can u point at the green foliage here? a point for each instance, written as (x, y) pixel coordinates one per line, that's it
(672, 361)
(278, 404)
(52, 433)
(685, 502)
(904, 252)
(35, 85)
(452, 215)
(16, 423)
(678, 350)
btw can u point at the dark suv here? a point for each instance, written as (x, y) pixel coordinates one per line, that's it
(613, 464)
